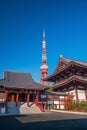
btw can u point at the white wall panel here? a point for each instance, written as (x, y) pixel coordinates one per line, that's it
(81, 95)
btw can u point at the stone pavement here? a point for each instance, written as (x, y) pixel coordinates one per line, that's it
(58, 111)
(44, 121)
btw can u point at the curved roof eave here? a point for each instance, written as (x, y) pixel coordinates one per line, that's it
(25, 88)
(74, 78)
(71, 63)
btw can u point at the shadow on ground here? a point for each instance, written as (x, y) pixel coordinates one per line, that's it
(44, 122)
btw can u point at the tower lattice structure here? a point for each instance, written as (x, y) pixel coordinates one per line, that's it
(44, 67)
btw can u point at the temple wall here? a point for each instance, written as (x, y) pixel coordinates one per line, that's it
(81, 95)
(60, 104)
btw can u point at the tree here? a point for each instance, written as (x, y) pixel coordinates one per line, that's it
(68, 102)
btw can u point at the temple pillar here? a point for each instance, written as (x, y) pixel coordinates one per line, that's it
(64, 103)
(86, 95)
(5, 99)
(53, 97)
(59, 103)
(37, 98)
(6, 95)
(76, 93)
(17, 98)
(28, 98)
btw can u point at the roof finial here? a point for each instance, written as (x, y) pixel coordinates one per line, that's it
(61, 56)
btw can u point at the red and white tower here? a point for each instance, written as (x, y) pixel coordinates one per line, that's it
(44, 67)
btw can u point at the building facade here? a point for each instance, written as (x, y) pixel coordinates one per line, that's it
(70, 76)
(18, 87)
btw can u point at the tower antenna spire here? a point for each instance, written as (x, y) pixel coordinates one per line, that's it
(43, 33)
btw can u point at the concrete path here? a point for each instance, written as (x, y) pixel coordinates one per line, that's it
(45, 121)
(69, 112)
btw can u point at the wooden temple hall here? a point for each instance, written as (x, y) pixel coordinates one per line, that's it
(70, 76)
(20, 87)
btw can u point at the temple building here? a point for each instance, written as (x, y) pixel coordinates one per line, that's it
(16, 87)
(70, 76)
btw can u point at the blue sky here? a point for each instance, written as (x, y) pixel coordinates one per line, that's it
(21, 25)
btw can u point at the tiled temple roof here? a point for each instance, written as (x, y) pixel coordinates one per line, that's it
(70, 79)
(20, 80)
(76, 61)
(68, 62)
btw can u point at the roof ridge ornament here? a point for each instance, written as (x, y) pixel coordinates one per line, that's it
(61, 56)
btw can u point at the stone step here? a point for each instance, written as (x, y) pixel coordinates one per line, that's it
(31, 109)
(22, 108)
(11, 104)
(24, 104)
(13, 111)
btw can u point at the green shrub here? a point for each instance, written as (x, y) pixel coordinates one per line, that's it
(79, 106)
(51, 106)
